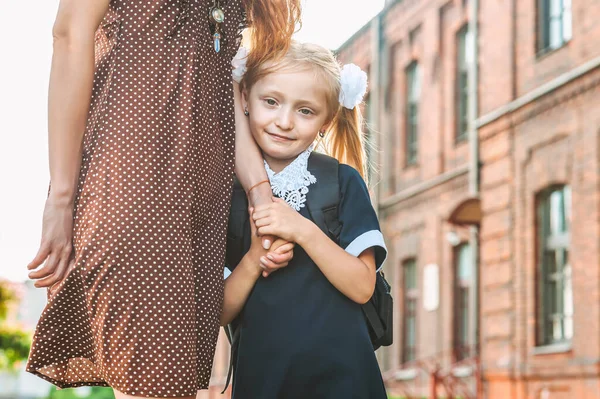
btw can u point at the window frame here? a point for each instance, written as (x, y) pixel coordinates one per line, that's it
(462, 290)
(461, 86)
(563, 19)
(410, 297)
(552, 306)
(411, 113)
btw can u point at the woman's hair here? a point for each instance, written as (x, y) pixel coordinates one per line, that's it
(271, 26)
(344, 137)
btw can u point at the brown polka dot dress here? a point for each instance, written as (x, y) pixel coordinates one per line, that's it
(140, 310)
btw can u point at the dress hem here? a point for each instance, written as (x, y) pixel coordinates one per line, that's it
(127, 391)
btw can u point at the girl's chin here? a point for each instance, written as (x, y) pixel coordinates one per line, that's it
(279, 155)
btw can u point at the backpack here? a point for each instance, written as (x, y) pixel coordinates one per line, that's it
(322, 202)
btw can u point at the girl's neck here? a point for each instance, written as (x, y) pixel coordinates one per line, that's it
(277, 165)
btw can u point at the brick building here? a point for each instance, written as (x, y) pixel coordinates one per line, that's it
(487, 117)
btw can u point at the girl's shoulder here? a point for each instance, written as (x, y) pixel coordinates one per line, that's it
(351, 181)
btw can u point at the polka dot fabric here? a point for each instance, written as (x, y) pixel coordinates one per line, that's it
(140, 309)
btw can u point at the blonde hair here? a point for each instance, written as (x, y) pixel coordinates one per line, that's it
(344, 138)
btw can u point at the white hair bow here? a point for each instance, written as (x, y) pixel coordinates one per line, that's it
(239, 64)
(354, 86)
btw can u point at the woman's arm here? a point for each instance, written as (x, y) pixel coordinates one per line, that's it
(71, 80)
(249, 165)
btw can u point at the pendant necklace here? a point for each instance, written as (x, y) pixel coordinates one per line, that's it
(217, 17)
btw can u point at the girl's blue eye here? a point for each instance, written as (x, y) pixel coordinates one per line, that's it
(306, 111)
(270, 101)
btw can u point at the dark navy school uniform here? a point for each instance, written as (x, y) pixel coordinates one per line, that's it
(300, 337)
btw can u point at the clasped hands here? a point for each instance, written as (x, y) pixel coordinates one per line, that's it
(274, 219)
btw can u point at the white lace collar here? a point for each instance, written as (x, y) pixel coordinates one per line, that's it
(291, 184)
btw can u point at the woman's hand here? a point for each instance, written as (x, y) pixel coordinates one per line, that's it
(279, 219)
(56, 248)
(280, 254)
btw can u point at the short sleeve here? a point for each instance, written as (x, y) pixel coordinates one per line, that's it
(360, 227)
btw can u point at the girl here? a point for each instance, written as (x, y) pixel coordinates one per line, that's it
(301, 331)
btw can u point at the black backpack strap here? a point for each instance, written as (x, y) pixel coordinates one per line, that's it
(233, 335)
(370, 309)
(323, 199)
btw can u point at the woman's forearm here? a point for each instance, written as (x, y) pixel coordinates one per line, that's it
(249, 166)
(71, 80)
(352, 276)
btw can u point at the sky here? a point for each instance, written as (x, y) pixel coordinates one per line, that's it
(26, 49)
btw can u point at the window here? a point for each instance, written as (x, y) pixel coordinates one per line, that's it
(410, 311)
(462, 292)
(555, 294)
(464, 52)
(554, 24)
(413, 93)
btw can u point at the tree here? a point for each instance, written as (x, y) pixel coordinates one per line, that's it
(14, 343)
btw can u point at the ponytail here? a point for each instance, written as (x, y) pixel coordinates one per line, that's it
(272, 23)
(345, 141)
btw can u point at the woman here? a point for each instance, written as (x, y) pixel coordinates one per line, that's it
(134, 225)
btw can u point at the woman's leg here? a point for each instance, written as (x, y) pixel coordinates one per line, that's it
(119, 395)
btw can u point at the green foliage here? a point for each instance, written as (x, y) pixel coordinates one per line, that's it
(14, 343)
(6, 297)
(14, 347)
(94, 393)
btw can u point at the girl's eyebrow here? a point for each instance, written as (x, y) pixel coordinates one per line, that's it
(277, 93)
(272, 90)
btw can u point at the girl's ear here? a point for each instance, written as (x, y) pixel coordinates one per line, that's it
(325, 127)
(245, 99)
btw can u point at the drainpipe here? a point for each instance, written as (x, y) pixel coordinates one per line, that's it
(474, 181)
(375, 108)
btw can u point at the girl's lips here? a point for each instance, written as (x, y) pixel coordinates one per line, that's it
(278, 137)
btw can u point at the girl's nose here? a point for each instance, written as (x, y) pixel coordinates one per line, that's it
(284, 121)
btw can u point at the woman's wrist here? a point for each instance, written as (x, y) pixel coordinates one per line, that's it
(60, 197)
(260, 195)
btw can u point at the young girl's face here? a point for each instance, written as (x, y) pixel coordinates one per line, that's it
(287, 111)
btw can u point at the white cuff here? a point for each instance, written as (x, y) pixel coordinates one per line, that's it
(226, 272)
(372, 238)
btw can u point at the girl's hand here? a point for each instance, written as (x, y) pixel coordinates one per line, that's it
(280, 254)
(56, 248)
(279, 219)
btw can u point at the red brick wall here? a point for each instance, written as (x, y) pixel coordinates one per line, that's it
(546, 146)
